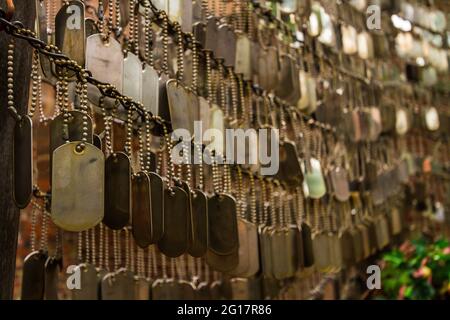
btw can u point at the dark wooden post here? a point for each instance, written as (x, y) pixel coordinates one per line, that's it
(9, 214)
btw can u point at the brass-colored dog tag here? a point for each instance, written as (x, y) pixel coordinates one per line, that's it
(33, 279)
(125, 279)
(88, 283)
(243, 64)
(222, 225)
(161, 289)
(77, 186)
(244, 249)
(111, 287)
(52, 269)
(266, 252)
(180, 115)
(174, 241)
(157, 201)
(117, 191)
(254, 253)
(105, 60)
(308, 253)
(141, 289)
(295, 237)
(347, 244)
(280, 258)
(70, 31)
(240, 289)
(22, 163)
(132, 77)
(198, 243)
(141, 220)
(150, 88)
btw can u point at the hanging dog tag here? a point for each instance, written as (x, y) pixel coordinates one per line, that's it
(243, 57)
(308, 253)
(117, 191)
(77, 186)
(162, 289)
(340, 183)
(141, 210)
(174, 241)
(180, 115)
(111, 287)
(254, 264)
(157, 201)
(52, 269)
(266, 252)
(211, 42)
(70, 31)
(314, 183)
(33, 280)
(198, 243)
(125, 278)
(290, 168)
(88, 283)
(22, 163)
(149, 89)
(244, 250)
(222, 225)
(105, 60)
(141, 289)
(132, 77)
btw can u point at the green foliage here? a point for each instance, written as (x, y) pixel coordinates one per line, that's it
(418, 270)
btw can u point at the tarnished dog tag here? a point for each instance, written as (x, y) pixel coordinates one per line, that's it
(254, 251)
(266, 252)
(163, 101)
(141, 289)
(290, 168)
(222, 263)
(308, 252)
(161, 289)
(132, 77)
(52, 269)
(150, 88)
(180, 114)
(198, 244)
(186, 290)
(203, 291)
(347, 245)
(60, 133)
(77, 186)
(88, 283)
(111, 287)
(243, 63)
(117, 191)
(157, 201)
(33, 279)
(101, 273)
(296, 240)
(240, 289)
(23, 162)
(279, 254)
(70, 31)
(211, 42)
(204, 113)
(244, 250)
(141, 210)
(105, 60)
(222, 225)
(174, 241)
(125, 279)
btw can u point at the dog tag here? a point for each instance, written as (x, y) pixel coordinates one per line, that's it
(314, 183)
(279, 254)
(125, 279)
(240, 289)
(33, 279)
(157, 201)
(132, 77)
(295, 237)
(141, 210)
(290, 168)
(340, 183)
(222, 225)
(244, 250)
(308, 253)
(117, 191)
(88, 283)
(198, 243)
(162, 289)
(174, 241)
(149, 89)
(141, 289)
(105, 60)
(77, 186)
(52, 269)
(180, 114)
(254, 250)
(266, 252)
(111, 287)
(243, 64)
(23, 161)
(70, 31)
(347, 245)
